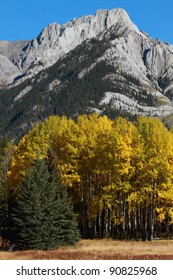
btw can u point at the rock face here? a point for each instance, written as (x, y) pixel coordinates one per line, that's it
(125, 69)
(9, 52)
(8, 71)
(24, 58)
(54, 41)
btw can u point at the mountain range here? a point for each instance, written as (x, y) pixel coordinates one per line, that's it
(98, 63)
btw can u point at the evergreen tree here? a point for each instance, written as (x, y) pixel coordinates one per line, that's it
(1, 211)
(2, 191)
(43, 217)
(6, 149)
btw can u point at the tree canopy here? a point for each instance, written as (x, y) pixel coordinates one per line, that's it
(119, 174)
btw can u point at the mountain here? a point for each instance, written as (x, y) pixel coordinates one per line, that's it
(54, 41)
(96, 63)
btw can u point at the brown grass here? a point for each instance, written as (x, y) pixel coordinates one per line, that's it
(100, 250)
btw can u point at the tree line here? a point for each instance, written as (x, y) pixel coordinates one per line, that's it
(118, 174)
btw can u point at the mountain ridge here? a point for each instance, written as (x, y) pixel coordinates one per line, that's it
(112, 68)
(55, 40)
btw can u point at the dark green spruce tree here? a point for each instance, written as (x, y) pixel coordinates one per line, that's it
(43, 217)
(2, 191)
(6, 149)
(2, 213)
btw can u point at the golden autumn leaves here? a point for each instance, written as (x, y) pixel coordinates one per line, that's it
(119, 174)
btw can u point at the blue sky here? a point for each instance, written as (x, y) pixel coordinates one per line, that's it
(25, 19)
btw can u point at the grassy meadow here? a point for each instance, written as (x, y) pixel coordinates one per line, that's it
(105, 249)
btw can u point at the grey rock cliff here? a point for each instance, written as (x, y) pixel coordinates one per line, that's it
(137, 79)
(133, 50)
(54, 41)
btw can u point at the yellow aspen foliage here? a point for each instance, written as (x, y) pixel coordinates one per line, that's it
(32, 146)
(117, 172)
(154, 174)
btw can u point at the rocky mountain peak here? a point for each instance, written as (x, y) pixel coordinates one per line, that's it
(50, 32)
(122, 69)
(55, 40)
(117, 17)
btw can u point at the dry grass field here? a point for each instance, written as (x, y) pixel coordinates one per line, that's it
(100, 250)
